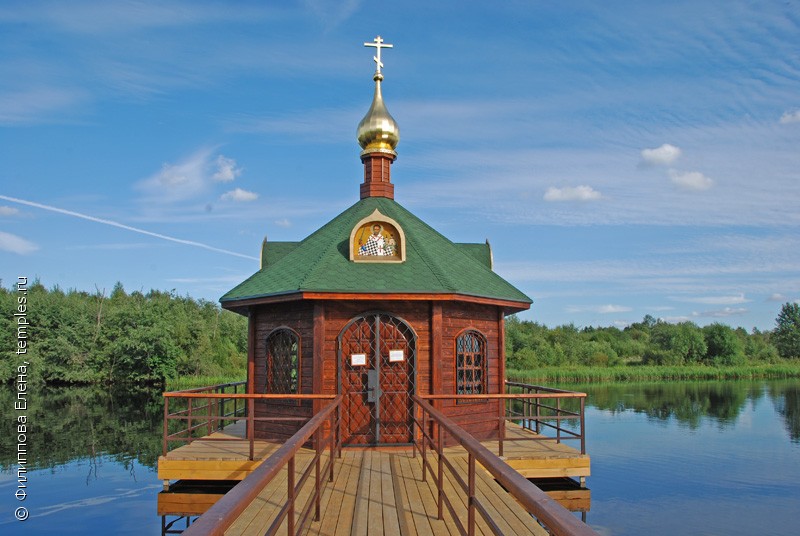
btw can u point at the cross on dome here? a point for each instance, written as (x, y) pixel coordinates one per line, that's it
(378, 44)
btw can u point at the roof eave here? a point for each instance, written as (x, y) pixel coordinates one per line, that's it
(241, 304)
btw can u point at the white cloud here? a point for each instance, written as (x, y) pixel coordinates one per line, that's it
(601, 309)
(716, 300)
(8, 211)
(572, 193)
(790, 117)
(92, 18)
(232, 279)
(661, 156)
(110, 247)
(332, 12)
(35, 105)
(677, 319)
(723, 313)
(181, 181)
(16, 244)
(239, 195)
(226, 169)
(283, 223)
(690, 180)
(608, 309)
(777, 297)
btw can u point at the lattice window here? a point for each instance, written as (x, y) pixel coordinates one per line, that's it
(470, 363)
(283, 362)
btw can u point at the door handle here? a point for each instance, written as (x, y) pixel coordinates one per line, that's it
(373, 388)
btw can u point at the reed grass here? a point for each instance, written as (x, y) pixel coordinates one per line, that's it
(654, 373)
(576, 374)
(190, 382)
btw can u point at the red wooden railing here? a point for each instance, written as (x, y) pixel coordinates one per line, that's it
(205, 410)
(537, 408)
(224, 512)
(540, 409)
(554, 517)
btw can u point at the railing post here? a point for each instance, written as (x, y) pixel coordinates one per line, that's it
(583, 425)
(417, 410)
(251, 432)
(501, 425)
(440, 473)
(189, 422)
(290, 515)
(502, 434)
(209, 403)
(538, 412)
(166, 424)
(317, 489)
(558, 420)
(235, 401)
(332, 440)
(471, 495)
(423, 449)
(424, 454)
(221, 412)
(339, 430)
(526, 410)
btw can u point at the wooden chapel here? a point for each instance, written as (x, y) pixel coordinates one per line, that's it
(376, 305)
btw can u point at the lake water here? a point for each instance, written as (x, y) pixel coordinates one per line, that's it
(700, 458)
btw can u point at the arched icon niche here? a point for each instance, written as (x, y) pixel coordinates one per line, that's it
(377, 239)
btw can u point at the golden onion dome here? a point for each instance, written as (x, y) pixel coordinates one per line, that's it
(378, 131)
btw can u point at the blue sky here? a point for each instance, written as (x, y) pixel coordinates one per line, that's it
(622, 158)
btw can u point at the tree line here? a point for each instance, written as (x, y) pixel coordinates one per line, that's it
(531, 345)
(99, 337)
(81, 337)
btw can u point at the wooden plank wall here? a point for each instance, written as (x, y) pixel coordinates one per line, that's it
(480, 419)
(298, 316)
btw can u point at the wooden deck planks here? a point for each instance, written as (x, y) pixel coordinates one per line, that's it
(391, 499)
(391, 521)
(380, 491)
(337, 497)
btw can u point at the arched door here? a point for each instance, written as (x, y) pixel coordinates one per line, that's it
(377, 356)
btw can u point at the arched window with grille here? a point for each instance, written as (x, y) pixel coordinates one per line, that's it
(470, 363)
(283, 362)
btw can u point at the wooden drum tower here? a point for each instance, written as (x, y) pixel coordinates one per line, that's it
(376, 305)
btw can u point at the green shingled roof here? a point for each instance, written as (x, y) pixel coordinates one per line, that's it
(321, 263)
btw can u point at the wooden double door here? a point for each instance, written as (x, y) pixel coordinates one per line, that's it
(377, 357)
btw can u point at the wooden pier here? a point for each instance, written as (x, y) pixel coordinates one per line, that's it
(381, 492)
(225, 456)
(445, 483)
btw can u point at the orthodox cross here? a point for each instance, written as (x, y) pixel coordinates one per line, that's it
(378, 44)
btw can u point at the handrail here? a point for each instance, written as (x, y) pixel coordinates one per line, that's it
(557, 519)
(542, 388)
(208, 387)
(210, 415)
(539, 414)
(540, 408)
(224, 512)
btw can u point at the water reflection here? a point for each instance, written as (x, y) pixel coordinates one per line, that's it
(692, 403)
(787, 404)
(732, 461)
(694, 457)
(69, 423)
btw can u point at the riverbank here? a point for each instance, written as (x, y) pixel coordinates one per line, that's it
(577, 374)
(192, 382)
(654, 373)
